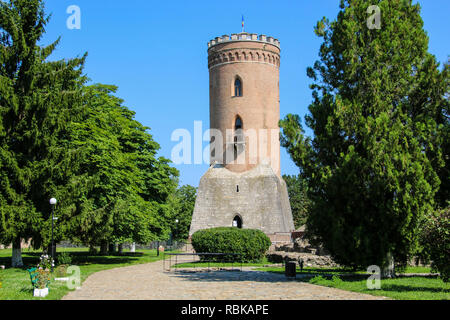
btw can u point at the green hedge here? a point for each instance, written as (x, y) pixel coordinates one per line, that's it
(251, 245)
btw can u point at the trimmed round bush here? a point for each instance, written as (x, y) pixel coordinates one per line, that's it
(250, 244)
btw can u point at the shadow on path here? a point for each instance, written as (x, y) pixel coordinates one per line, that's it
(225, 275)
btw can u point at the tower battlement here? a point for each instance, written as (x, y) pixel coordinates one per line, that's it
(244, 36)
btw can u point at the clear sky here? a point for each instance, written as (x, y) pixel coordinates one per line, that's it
(156, 53)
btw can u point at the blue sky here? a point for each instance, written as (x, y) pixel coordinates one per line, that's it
(156, 53)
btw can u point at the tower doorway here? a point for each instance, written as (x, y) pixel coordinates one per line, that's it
(237, 222)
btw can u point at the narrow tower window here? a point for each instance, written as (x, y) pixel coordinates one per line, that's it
(237, 87)
(238, 123)
(238, 137)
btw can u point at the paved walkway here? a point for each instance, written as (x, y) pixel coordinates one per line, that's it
(151, 282)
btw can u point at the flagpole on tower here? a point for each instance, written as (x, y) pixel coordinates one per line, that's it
(243, 23)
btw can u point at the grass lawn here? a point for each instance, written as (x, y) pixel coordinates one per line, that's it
(16, 284)
(337, 271)
(402, 288)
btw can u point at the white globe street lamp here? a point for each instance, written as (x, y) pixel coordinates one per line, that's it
(176, 229)
(53, 202)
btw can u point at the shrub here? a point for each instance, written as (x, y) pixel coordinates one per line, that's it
(64, 258)
(45, 262)
(275, 258)
(43, 278)
(61, 270)
(435, 239)
(248, 243)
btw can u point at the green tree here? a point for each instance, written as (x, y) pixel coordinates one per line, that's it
(181, 206)
(121, 184)
(297, 190)
(38, 99)
(80, 144)
(371, 166)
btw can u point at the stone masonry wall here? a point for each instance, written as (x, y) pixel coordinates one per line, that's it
(258, 197)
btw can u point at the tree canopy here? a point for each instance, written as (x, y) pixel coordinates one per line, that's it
(181, 207)
(298, 198)
(37, 101)
(61, 138)
(124, 183)
(380, 121)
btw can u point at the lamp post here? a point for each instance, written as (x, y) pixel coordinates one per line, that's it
(176, 228)
(52, 203)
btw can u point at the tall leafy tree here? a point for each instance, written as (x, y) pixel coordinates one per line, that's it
(181, 207)
(80, 144)
(121, 184)
(38, 99)
(298, 198)
(378, 115)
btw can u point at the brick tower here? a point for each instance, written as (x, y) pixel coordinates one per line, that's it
(243, 186)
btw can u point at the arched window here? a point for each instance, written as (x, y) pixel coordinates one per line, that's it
(213, 151)
(237, 222)
(237, 87)
(238, 123)
(239, 139)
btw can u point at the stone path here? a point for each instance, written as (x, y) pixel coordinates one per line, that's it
(150, 282)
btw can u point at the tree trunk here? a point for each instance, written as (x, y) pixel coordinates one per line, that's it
(389, 270)
(16, 254)
(133, 247)
(112, 248)
(120, 248)
(92, 249)
(103, 247)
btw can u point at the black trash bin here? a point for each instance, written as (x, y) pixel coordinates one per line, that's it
(289, 270)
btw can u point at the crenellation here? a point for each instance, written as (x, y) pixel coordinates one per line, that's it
(244, 36)
(230, 52)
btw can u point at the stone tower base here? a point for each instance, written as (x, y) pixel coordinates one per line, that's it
(258, 197)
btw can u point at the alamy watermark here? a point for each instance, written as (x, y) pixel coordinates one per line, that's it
(374, 280)
(74, 20)
(374, 20)
(231, 146)
(73, 281)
